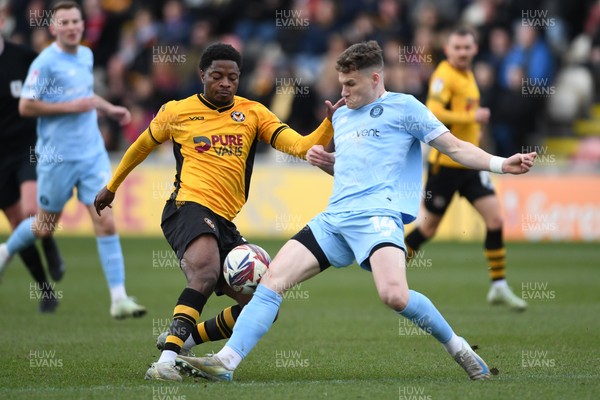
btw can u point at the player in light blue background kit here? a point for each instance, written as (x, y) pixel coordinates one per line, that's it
(59, 90)
(378, 164)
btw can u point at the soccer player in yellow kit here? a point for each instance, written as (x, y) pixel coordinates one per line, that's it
(214, 134)
(454, 99)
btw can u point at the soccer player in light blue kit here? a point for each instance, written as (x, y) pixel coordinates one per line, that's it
(378, 165)
(60, 91)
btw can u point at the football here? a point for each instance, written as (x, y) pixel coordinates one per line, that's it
(244, 266)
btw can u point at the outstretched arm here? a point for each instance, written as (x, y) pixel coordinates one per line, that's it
(473, 157)
(291, 142)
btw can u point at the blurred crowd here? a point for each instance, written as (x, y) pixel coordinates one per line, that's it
(538, 66)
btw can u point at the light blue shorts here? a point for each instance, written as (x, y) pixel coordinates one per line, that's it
(348, 236)
(56, 181)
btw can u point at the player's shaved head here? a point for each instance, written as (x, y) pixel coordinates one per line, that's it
(360, 56)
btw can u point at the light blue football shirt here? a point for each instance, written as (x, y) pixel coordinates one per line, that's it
(56, 77)
(378, 161)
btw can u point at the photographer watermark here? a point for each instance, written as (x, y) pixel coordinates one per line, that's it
(44, 291)
(162, 190)
(537, 291)
(419, 122)
(289, 222)
(544, 156)
(413, 191)
(538, 223)
(167, 54)
(537, 19)
(290, 359)
(160, 325)
(293, 292)
(285, 158)
(42, 18)
(537, 87)
(417, 260)
(43, 222)
(167, 122)
(413, 393)
(414, 55)
(164, 259)
(291, 86)
(45, 154)
(44, 359)
(167, 393)
(536, 359)
(291, 19)
(407, 327)
(37, 87)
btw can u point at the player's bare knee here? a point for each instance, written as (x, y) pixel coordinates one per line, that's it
(105, 226)
(428, 229)
(30, 210)
(494, 223)
(394, 297)
(276, 283)
(42, 230)
(200, 276)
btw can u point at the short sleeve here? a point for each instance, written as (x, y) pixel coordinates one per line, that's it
(420, 122)
(268, 125)
(38, 78)
(160, 126)
(439, 89)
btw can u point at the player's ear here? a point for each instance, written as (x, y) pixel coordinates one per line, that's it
(376, 77)
(202, 76)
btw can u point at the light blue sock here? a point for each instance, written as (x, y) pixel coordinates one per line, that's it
(255, 320)
(21, 238)
(111, 258)
(421, 312)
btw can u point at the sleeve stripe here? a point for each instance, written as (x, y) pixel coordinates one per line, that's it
(152, 136)
(276, 134)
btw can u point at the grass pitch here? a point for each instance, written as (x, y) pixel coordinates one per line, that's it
(333, 339)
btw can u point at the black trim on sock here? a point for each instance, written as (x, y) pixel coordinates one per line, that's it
(493, 239)
(415, 239)
(192, 298)
(33, 262)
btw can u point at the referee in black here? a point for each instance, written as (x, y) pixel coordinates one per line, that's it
(18, 186)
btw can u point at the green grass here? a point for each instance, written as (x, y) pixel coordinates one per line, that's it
(342, 342)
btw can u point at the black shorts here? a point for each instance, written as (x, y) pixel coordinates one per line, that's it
(182, 222)
(440, 187)
(307, 238)
(13, 172)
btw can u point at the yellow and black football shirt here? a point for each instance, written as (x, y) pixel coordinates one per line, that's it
(214, 148)
(453, 98)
